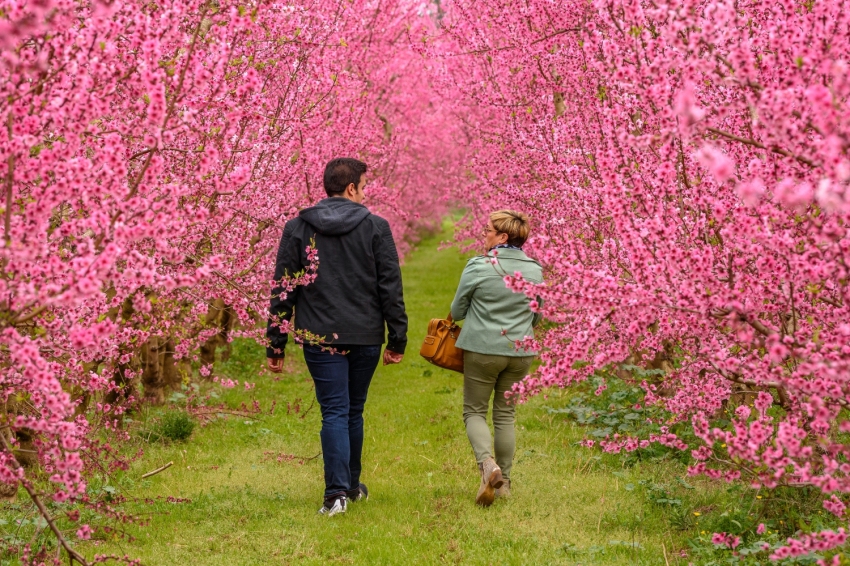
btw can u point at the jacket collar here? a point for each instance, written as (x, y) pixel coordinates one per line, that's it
(509, 253)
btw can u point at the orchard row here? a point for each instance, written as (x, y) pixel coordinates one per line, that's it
(685, 165)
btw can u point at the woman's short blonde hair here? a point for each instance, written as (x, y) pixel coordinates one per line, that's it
(512, 223)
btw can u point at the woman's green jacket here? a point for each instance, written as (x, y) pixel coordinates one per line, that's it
(495, 316)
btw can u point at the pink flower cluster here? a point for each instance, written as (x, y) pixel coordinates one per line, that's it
(806, 544)
(725, 539)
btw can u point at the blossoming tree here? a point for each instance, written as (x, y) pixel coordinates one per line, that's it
(686, 166)
(149, 156)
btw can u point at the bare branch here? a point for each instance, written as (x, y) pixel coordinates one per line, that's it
(156, 471)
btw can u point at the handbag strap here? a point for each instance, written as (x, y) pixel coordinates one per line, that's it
(450, 317)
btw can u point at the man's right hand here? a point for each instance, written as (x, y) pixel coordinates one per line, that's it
(391, 357)
(275, 365)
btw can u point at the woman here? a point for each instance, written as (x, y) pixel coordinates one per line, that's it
(496, 318)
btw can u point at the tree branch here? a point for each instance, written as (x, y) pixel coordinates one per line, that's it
(156, 471)
(754, 143)
(7, 220)
(551, 35)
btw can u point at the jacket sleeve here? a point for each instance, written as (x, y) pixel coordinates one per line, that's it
(390, 289)
(465, 289)
(282, 304)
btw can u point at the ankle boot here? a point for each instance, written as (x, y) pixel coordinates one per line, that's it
(491, 480)
(505, 490)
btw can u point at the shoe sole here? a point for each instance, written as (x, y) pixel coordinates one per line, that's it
(486, 497)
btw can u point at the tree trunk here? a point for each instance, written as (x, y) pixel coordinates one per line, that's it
(221, 316)
(153, 376)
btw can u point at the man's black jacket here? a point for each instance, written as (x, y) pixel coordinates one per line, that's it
(358, 284)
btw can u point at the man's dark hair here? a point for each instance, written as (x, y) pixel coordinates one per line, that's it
(341, 172)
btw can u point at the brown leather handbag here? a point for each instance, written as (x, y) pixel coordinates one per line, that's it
(439, 345)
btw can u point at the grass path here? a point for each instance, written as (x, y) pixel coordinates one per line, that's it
(246, 507)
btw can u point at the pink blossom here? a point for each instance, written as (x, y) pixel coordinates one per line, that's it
(727, 540)
(686, 105)
(84, 532)
(751, 191)
(835, 506)
(717, 162)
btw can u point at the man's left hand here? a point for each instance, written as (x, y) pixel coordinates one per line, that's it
(275, 365)
(391, 357)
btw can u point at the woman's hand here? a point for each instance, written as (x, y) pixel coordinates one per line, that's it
(275, 365)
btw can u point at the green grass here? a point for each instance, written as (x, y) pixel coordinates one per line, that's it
(569, 506)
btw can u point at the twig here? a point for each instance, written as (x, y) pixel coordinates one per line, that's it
(754, 143)
(156, 471)
(34, 313)
(664, 550)
(304, 414)
(206, 411)
(602, 512)
(760, 327)
(10, 183)
(291, 457)
(737, 378)
(551, 35)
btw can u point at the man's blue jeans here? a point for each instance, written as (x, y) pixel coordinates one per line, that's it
(342, 380)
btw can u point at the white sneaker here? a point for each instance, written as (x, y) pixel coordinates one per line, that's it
(333, 506)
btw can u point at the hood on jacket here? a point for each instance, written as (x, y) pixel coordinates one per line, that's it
(334, 216)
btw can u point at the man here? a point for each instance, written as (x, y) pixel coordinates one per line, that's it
(357, 289)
